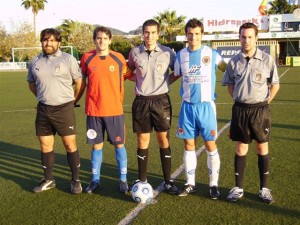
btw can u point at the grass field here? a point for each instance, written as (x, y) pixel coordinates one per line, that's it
(20, 168)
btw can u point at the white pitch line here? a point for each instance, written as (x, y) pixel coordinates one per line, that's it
(18, 110)
(284, 72)
(136, 211)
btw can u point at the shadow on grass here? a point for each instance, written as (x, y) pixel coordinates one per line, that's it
(249, 200)
(23, 166)
(286, 126)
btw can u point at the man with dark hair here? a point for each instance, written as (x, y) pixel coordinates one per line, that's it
(197, 65)
(51, 75)
(106, 71)
(253, 82)
(152, 108)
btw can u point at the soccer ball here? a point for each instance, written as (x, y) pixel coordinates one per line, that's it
(142, 192)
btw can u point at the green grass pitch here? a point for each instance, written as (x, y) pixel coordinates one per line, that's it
(20, 167)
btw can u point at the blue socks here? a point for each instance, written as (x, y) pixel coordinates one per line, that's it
(96, 160)
(121, 157)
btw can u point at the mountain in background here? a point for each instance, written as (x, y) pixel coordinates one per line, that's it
(119, 32)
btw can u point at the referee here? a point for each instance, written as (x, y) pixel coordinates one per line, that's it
(152, 108)
(51, 76)
(253, 82)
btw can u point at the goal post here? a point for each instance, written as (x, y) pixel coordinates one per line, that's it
(25, 54)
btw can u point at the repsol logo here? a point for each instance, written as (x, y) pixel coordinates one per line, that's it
(229, 52)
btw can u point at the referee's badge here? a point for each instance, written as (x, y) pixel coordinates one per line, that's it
(258, 77)
(111, 68)
(91, 134)
(159, 67)
(57, 69)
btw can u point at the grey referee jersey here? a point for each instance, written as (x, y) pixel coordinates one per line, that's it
(251, 77)
(151, 69)
(53, 76)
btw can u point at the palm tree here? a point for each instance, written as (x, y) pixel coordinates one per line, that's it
(281, 7)
(36, 6)
(171, 25)
(67, 28)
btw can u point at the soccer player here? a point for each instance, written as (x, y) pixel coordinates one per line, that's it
(50, 78)
(197, 64)
(253, 82)
(152, 108)
(105, 71)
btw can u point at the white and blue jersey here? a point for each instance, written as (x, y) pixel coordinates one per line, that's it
(198, 71)
(198, 111)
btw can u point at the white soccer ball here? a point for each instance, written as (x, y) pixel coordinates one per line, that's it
(142, 192)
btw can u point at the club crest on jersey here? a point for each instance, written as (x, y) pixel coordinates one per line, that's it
(206, 60)
(258, 77)
(111, 68)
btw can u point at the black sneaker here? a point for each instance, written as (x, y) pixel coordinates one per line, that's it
(93, 186)
(170, 187)
(124, 186)
(44, 186)
(76, 187)
(187, 188)
(214, 192)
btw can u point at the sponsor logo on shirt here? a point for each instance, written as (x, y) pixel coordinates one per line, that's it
(195, 79)
(194, 69)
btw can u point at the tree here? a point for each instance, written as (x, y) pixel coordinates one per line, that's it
(171, 25)
(36, 6)
(81, 37)
(66, 29)
(12, 40)
(281, 7)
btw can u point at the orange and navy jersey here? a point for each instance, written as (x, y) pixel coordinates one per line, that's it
(105, 86)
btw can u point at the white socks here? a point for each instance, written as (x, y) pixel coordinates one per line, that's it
(190, 163)
(213, 164)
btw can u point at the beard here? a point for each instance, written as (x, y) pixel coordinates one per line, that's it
(50, 50)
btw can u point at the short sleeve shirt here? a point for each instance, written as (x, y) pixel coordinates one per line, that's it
(251, 77)
(105, 89)
(198, 71)
(54, 76)
(151, 69)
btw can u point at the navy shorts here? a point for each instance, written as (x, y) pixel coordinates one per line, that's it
(113, 125)
(150, 112)
(250, 121)
(55, 119)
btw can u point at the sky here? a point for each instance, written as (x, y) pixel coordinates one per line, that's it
(125, 15)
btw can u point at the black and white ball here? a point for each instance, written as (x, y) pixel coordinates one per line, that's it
(142, 192)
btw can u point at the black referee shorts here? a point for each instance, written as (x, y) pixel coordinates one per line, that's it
(55, 119)
(151, 112)
(250, 121)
